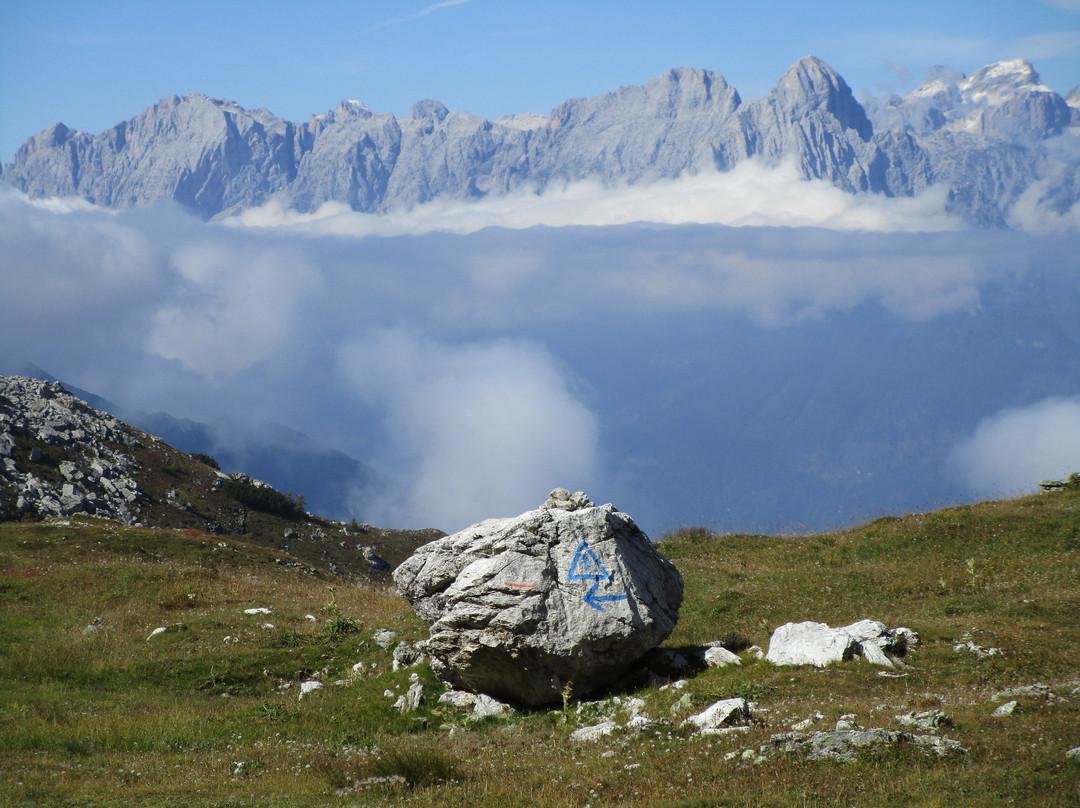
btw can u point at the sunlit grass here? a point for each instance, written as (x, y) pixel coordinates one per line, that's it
(95, 711)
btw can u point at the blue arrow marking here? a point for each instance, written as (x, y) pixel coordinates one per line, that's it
(587, 567)
(586, 558)
(594, 599)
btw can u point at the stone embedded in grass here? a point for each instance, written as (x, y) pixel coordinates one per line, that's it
(810, 643)
(845, 745)
(309, 686)
(555, 602)
(720, 657)
(928, 719)
(257, 610)
(384, 638)
(967, 645)
(593, 733)
(1006, 709)
(167, 629)
(722, 713)
(482, 706)
(410, 702)
(407, 654)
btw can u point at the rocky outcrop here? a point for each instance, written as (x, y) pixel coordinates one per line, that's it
(554, 602)
(981, 135)
(59, 456)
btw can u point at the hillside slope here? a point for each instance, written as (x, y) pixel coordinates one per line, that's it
(60, 457)
(99, 708)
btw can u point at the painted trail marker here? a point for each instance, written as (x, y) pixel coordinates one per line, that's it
(587, 567)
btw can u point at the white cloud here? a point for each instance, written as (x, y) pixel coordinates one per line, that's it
(751, 194)
(1034, 211)
(481, 429)
(417, 15)
(1012, 450)
(1050, 45)
(236, 306)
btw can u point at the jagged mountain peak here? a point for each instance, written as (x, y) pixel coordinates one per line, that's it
(811, 85)
(428, 110)
(215, 157)
(1011, 75)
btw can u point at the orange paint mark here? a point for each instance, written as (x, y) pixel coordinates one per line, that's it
(520, 586)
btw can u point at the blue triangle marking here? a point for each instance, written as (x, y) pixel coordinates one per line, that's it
(591, 568)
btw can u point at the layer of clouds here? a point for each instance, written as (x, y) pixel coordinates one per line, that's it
(1012, 450)
(450, 361)
(232, 306)
(751, 194)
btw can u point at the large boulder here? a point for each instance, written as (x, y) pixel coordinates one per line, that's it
(559, 600)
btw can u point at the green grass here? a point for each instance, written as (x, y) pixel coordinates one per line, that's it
(109, 716)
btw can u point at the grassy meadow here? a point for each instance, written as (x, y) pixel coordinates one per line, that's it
(94, 711)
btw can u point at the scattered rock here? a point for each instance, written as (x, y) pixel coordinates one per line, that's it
(95, 626)
(928, 719)
(556, 599)
(384, 638)
(845, 745)
(719, 714)
(257, 610)
(373, 560)
(810, 643)
(309, 686)
(847, 722)
(563, 500)
(1008, 708)
(407, 654)
(1036, 690)
(482, 706)
(412, 698)
(719, 657)
(1053, 485)
(967, 645)
(170, 628)
(1073, 754)
(806, 723)
(593, 733)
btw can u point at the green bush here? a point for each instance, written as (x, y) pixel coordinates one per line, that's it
(206, 459)
(265, 499)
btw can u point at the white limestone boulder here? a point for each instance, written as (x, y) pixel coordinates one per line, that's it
(811, 643)
(561, 599)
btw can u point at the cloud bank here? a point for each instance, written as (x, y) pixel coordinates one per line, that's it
(751, 194)
(476, 367)
(1010, 451)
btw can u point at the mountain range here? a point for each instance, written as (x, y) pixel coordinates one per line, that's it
(990, 138)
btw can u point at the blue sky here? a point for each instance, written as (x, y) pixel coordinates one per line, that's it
(92, 63)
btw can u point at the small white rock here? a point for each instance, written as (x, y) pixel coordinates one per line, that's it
(726, 711)
(593, 733)
(308, 687)
(1008, 708)
(719, 657)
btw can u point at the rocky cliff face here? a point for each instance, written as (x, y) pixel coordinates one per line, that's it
(59, 456)
(986, 136)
